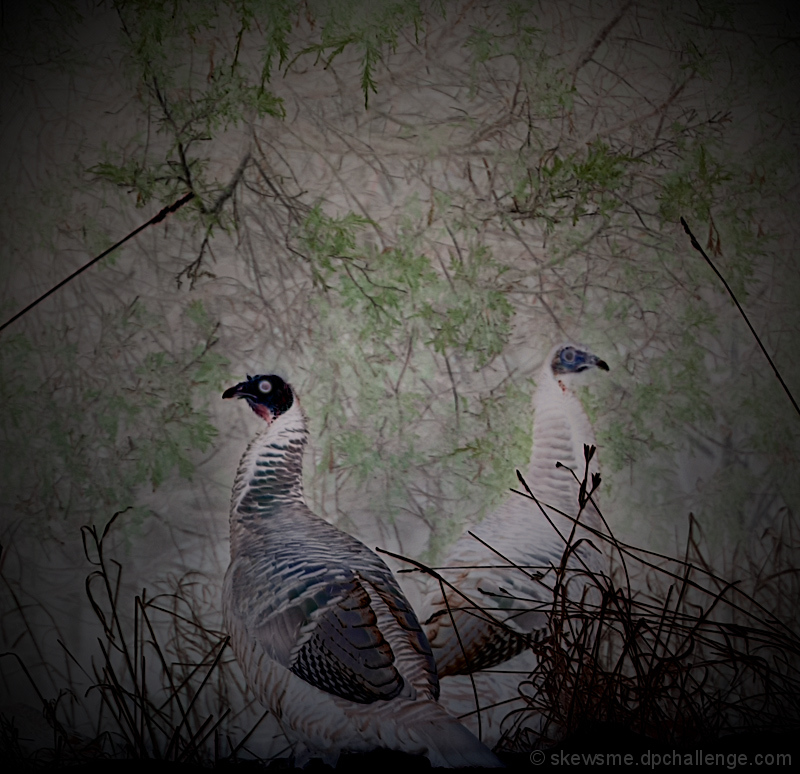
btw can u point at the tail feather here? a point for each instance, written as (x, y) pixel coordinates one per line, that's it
(450, 745)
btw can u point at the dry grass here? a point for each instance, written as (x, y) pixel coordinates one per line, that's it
(164, 681)
(668, 648)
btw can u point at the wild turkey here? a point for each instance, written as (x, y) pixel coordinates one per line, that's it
(519, 534)
(318, 624)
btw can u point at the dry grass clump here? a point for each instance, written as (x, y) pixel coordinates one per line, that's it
(161, 689)
(668, 648)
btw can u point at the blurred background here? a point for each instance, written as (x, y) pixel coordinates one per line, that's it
(398, 207)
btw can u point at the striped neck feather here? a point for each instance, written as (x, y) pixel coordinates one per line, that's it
(271, 470)
(560, 430)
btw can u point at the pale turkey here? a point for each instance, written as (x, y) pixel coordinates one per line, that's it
(322, 632)
(521, 535)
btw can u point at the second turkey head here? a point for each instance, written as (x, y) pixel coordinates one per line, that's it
(569, 359)
(268, 395)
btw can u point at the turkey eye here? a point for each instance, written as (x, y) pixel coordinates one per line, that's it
(568, 355)
(264, 385)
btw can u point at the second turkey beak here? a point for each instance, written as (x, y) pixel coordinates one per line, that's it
(601, 364)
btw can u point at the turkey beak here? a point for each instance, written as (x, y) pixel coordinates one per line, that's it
(601, 364)
(238, 391)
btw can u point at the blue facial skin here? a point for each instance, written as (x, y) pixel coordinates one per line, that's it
(571, 360)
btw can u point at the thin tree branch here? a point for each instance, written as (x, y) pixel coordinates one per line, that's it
(601, 36)
(696, 246)
(155, 219)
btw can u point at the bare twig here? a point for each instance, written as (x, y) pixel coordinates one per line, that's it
(696, 246)
(157, 218)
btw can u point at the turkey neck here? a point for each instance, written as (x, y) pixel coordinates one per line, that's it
(560, 430)
(270, 474)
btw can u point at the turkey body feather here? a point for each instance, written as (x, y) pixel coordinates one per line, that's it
(318, 623)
